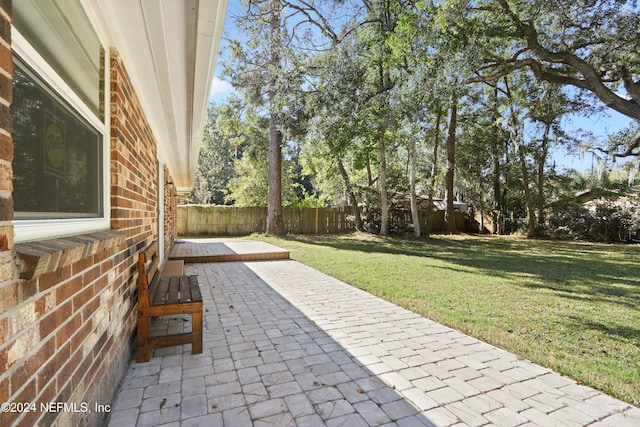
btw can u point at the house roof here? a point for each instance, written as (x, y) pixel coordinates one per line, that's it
(169, 48)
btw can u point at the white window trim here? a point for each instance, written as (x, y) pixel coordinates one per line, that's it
(161, 209)
(26, 230)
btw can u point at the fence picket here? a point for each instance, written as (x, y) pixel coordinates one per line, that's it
(197, 220)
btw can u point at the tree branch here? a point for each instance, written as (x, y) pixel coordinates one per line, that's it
(591, 80)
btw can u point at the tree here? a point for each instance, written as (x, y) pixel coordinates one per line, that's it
(275, 223)
(623, 143)
(592, 45)
(269, 75)
(334, 130)
(416, 95)
(449, 217)
(382, 14)
(479, 139)
(271, 66)
(216, 161)
(549, 108)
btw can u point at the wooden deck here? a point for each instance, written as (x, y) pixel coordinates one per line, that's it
(224, 250)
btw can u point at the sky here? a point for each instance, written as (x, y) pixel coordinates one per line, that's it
(600, 125)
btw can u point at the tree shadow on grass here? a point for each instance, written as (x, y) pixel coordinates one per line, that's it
(623, 332)
(571, 270)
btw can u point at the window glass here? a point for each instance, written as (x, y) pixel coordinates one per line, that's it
(61, 32)
(57, 155)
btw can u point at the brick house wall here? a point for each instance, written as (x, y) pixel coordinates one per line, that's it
(7, 289)
(170, 212)
(68, 305)
(134, 165)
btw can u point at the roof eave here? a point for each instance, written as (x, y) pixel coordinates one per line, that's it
(169, 49)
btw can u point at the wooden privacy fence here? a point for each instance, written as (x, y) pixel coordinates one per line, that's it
(199, 220)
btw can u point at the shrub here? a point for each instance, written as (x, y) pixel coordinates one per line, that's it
(601, 220)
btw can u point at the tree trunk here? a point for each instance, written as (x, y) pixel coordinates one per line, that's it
(522, 158)
(382, 184)
(352, 195)
(497, 192)
(481, 208)
(370, 179)
(434, 168)
(531, 223)
(275, 223)
(412, 185)
(498, 206)
(449, 217)
(541, 161)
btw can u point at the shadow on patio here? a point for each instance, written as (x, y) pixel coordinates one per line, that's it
(264, 362)
(287, 345)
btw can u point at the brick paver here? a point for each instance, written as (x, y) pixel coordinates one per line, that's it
(287, 345)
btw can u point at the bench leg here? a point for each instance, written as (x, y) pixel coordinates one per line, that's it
(143, 353)
(196, 320)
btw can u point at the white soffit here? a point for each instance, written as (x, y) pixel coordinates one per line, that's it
(169, 49)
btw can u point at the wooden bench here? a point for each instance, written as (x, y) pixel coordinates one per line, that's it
(165, 296)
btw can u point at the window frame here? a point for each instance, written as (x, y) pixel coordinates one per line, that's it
(33, 229)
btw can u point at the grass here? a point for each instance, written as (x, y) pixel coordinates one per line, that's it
(573, 307)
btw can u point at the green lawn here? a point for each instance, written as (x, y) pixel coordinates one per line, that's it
(573, 307)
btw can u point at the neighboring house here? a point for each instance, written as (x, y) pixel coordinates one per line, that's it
(102, 106)
(585, 195)
(592, 194)
(404, 201)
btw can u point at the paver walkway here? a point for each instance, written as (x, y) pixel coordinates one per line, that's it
(287, 345)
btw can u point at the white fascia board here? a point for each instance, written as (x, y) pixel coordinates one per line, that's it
(209, 33)
(162, 37)
(126, 25)
(169, 48)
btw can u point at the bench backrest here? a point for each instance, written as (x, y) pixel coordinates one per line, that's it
(148, 263)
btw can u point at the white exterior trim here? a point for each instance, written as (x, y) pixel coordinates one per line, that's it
(169, 48)
(26, 230)
(161, 211)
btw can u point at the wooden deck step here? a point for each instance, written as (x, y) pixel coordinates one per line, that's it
(217, 250)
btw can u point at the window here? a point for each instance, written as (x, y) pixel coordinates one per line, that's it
(60, 161)
(60, 31)
(57, 156)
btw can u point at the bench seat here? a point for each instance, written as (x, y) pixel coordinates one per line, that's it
(165, 296)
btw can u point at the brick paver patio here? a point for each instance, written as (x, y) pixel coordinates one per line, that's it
(286, 345)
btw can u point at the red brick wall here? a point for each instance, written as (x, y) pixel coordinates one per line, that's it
(7, 289)
(170, 212)
(67, 305)
(134, 164)
(68, 328)
(6, 148)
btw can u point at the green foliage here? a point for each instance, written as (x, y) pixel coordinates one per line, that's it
(216, 162)
(358, 86)
(611, 215)
(603, 221)
(625, 142)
